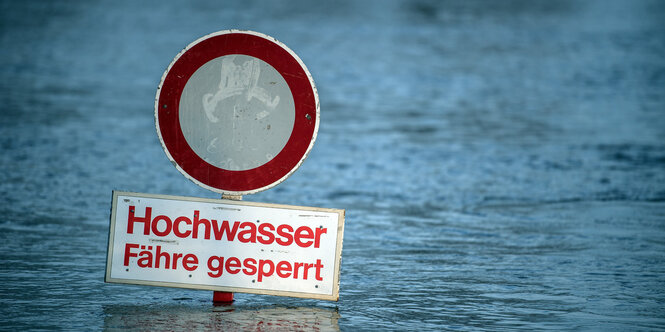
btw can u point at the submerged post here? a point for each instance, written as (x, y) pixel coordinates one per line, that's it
(222, 297)
(225, 297)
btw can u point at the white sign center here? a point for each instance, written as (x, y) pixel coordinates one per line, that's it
(237, 112)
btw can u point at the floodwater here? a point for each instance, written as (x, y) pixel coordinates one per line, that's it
(502, 164)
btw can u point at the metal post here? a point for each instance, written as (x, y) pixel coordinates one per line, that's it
(225, 297)
(222, 297)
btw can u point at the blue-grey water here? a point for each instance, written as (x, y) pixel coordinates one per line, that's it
(501, 163)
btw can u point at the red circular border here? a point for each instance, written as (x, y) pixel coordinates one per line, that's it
(298, 80)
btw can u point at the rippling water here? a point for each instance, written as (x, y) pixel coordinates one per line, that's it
(502, 164)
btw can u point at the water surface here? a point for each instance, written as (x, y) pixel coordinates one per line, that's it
(502, 164)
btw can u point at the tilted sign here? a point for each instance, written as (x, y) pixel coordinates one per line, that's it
(224, 245)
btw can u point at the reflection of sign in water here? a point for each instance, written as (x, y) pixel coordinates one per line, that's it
(238, 80)
(187, 315)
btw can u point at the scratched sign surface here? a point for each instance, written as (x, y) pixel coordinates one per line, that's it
(237, 112)
(223, 245)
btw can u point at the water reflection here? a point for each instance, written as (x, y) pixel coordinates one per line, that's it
(204, 317)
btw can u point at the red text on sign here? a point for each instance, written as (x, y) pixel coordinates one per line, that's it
(263, 268)
(148, 258)
(246, 232)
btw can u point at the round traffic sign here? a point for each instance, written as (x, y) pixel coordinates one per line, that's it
(237, 112)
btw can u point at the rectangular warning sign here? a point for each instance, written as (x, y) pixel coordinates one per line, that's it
(225, 245)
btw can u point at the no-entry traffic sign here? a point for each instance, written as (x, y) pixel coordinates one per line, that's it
(237, 112)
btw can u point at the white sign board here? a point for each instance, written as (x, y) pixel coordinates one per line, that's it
(224, 245)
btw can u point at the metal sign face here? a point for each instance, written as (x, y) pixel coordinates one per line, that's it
(223, 245)
(237, 112)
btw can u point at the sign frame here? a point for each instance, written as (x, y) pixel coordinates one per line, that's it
(300, 83)
(337, 261)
